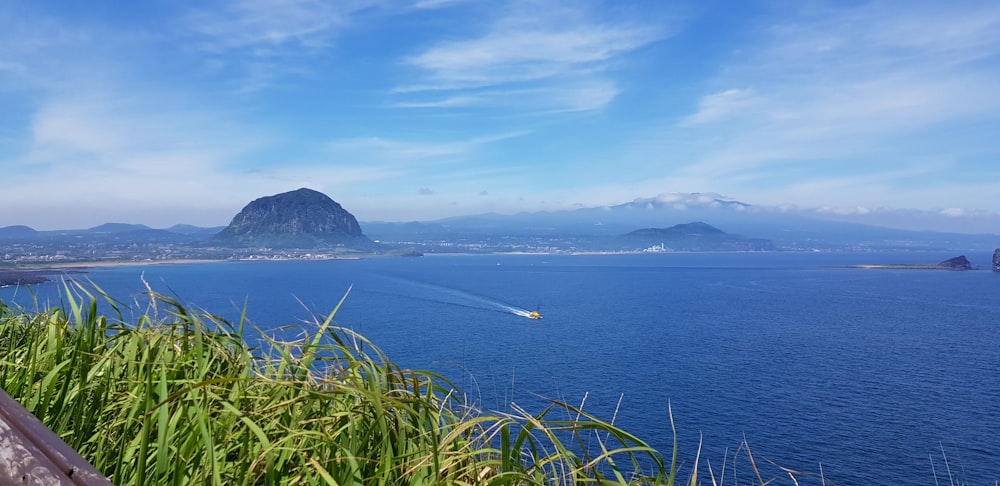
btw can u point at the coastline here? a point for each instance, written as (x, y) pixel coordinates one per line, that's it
(37, 273)
(908, 266)
(84, 265)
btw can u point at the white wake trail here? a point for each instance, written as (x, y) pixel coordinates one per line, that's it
(485, 303)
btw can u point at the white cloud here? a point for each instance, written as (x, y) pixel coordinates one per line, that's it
(536, 46)
(686, 199)
(267, 41)
(102, 157)
(566, 97)
(527, 53)
(865, 94)
(113, 129)
(720, 106)
(383, 149)
(263, 25)
(380, 148)
(843, 211)
(81, 126)
(583, 97)
(447, 102)
(437, 3)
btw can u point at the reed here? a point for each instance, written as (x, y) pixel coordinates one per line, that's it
(176, 396)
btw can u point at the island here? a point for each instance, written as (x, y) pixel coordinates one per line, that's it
(957, 263)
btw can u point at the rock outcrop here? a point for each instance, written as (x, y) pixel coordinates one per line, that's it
(303, 218)
(996, 260)
(21, 277)
(957, 263)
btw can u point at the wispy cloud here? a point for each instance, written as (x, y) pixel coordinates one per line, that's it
(829, 90)
(872, 104)
(264, 26)
(44, 53)
(437, 3)
(103, 156)
(384, 149)
(270, 40)
(900, 66)
(446, 102)
(524, 52)
(534, 46)
(112, 128)
(721, 106)
(572, 96)
(12, 68)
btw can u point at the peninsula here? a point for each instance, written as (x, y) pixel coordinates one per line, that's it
(957, 263)
(22, 277)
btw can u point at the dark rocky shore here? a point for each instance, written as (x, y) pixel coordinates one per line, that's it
(22, 277)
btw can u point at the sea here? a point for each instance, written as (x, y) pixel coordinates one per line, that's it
(847, 375)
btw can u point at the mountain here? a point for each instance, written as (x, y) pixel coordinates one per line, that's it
(191, 230)
(661, 211)
(306, 219)
(697, 230)
(303, 218)
(117, 228)
(695, 236)
(386, 230)
(787, 228)
(18, 231)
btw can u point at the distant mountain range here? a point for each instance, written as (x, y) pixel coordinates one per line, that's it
(787, 229)
(690, 222)
(21, 231)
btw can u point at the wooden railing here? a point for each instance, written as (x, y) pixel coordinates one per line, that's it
(30, 453)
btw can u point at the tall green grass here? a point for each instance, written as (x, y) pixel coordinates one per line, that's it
(175, 396)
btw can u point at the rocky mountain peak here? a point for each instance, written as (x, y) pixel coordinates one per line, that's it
(957, 263)
(302, 218)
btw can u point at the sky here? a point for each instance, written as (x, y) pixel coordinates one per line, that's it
(164, 112)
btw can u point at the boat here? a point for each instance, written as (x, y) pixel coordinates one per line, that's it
(534, 315)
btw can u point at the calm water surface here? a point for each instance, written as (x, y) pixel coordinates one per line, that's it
(869, 372)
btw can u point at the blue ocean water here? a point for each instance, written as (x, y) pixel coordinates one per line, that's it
(875, 376)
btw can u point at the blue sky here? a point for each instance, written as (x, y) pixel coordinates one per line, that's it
(164, 112)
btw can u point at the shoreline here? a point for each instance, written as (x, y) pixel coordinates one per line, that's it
(84, 265)
(908, 266)
(36, 273)
(39, 273)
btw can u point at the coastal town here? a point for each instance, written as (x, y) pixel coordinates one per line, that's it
(308, 225)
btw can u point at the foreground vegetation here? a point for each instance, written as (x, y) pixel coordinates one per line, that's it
(171, 395)
(177, 397)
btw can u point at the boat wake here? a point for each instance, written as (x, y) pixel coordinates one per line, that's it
(463, 299)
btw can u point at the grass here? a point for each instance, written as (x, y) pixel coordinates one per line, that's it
(175, 396)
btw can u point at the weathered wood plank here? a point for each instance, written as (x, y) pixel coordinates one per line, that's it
(31, 454)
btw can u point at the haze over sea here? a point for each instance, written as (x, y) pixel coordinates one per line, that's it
(869, 372)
